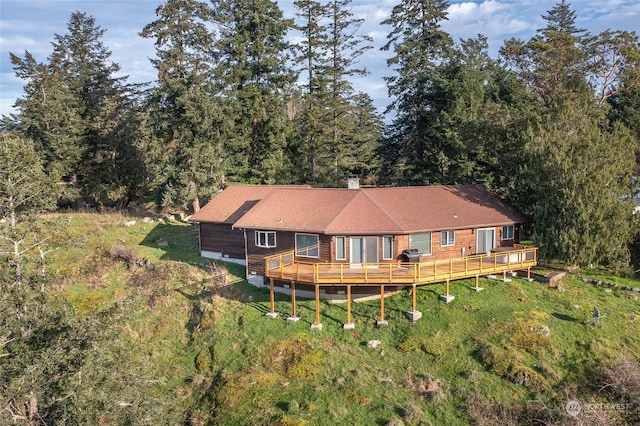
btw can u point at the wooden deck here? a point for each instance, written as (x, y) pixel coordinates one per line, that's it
(283, 266)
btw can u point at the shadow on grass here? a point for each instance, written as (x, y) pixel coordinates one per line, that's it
(564, 317)
(178, 241)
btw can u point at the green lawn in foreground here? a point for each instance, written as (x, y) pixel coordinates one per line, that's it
(202, 352)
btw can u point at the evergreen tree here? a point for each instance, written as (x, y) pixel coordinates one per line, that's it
(312, 57)
(345, 47)
(82, 60)
(255, 76)
(50, 115)
(330, 54)
(577, 186)
(554, 63)
(419, 47)
(360, 143)
(575, 178)
(458, 106)
(25, 191)
(187, 121)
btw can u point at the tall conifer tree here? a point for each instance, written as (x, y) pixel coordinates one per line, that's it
(330, 54)
(255, 74)
(576, 180)
(186, 118)
(50, 115)
(105, 109)
(419, 46)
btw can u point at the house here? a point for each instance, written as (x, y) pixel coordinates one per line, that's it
(357, 228)
(218, 239)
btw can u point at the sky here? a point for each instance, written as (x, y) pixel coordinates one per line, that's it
(31, 25)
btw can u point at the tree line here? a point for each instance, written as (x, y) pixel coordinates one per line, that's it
(552, 125)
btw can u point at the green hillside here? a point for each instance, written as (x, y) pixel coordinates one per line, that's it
(181, 340)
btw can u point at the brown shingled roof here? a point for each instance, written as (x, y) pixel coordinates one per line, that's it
(310, 210)
(431, 208)
(365, 211)
(229, 205)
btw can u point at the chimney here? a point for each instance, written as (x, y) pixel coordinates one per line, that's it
(353, 182)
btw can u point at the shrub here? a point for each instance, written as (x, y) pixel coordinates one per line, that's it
(488, 413)
(495, 359)
(412, 414)
(125, 254)
(412, 344)
(204, 360)
(622, 380)
(522, 375)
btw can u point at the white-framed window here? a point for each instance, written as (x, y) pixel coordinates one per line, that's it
(265, 239)
(307, 245)
(341, 248)
(507, 232)
(387, 247)
(421, 242)
(447, 238)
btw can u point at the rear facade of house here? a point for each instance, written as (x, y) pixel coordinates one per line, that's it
(361, 227)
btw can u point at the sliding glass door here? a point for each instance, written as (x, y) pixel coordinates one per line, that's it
(486, 240)
(364, 250)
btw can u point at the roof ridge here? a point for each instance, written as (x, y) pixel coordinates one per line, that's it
(383, 210)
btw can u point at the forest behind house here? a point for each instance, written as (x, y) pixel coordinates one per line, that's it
(552, 126)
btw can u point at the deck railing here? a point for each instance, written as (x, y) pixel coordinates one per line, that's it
(284, 266)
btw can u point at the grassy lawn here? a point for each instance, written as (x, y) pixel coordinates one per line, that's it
(199, 349)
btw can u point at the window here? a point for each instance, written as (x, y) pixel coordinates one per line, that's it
(507, 232)
(420, 242)
(265, 239)
(307, 245)
(341, 248)
(447, 238)
(387, 248)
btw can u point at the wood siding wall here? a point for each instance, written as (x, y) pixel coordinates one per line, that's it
(221, 238)
(284, 241)
(466, 238)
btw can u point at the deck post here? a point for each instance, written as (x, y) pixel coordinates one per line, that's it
(294, 314)
(447, 297)
(477, 287)
(349, 324)
(504, 277)
(272, 300)
(414, 315)
(413, 297)
(317, 325)
(382, 321)
(529, 274)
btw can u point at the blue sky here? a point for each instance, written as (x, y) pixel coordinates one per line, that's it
(30, 25)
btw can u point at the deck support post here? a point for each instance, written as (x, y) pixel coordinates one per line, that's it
(504, 277)
(317, 325)
(294, 314)
(414, 315)
(272, 314)
(477, 287)
(447, 297)
(529, 274)
(349, 324)
(382, 321)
